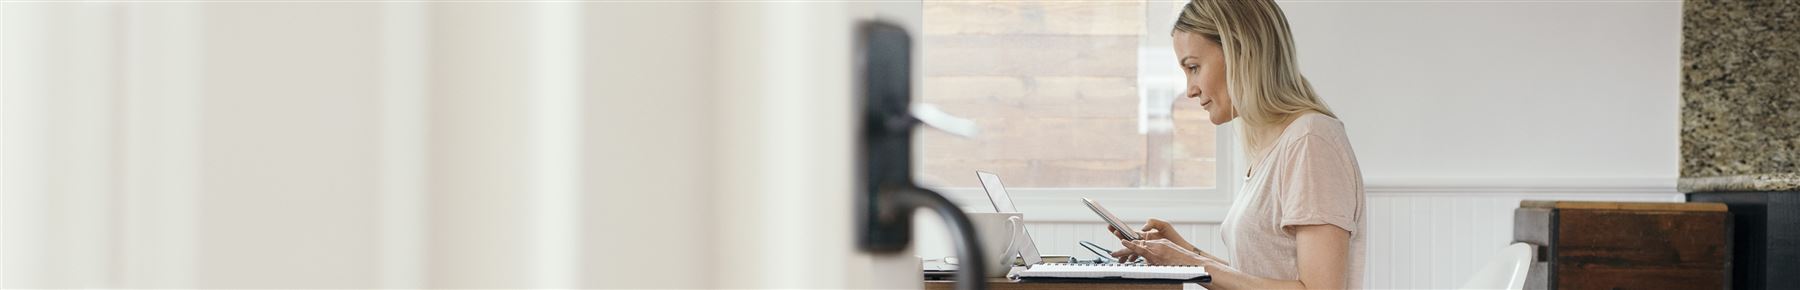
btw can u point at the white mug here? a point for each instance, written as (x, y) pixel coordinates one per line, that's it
(998, 233)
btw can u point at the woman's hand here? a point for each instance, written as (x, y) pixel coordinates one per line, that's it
(1158, 229)
(1162, 252)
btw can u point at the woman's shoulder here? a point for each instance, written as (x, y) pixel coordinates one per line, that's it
(1318, 137)
(1315, 126)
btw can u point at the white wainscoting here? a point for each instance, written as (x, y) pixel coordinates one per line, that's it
(1421, 236)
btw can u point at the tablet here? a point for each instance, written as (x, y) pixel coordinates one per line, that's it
(1129, 232)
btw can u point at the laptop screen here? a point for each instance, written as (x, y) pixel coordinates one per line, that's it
(1003, 203)
(996, 192)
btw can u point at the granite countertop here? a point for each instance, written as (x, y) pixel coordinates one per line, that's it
(1740, 96)
(1789, 182)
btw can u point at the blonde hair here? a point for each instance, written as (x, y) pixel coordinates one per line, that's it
(1261, 70)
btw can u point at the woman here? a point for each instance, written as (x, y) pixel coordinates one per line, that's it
(1297, 223)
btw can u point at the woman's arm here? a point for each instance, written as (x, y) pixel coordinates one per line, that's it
(1324, 254)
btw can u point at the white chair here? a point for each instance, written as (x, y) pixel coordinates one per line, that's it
(1506, 271)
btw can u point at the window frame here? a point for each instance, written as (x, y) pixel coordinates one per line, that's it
(1176, 204)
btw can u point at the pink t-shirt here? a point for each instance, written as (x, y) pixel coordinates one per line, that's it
(1309, 178)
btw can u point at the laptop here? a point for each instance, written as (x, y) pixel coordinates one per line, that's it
(1037, 271)
(1002, 203)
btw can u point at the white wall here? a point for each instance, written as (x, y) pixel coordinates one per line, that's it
(1497, 89)
(1459, 109)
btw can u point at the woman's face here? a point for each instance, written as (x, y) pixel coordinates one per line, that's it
(1203, 62)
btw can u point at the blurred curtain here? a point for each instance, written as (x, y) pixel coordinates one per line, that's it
(431, 145)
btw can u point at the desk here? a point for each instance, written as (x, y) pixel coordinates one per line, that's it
(1005, 284)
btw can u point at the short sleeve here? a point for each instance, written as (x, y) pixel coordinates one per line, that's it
(1320, 185)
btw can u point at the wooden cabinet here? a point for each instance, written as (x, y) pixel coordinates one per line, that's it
(1610, 245)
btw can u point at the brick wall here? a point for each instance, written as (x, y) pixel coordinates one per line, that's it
(1054, 87)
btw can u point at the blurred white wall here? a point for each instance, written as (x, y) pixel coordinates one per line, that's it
(432, 145)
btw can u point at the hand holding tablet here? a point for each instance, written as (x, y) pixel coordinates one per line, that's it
(1123, 229)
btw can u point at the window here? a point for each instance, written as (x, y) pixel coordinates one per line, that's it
(1068, 95)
